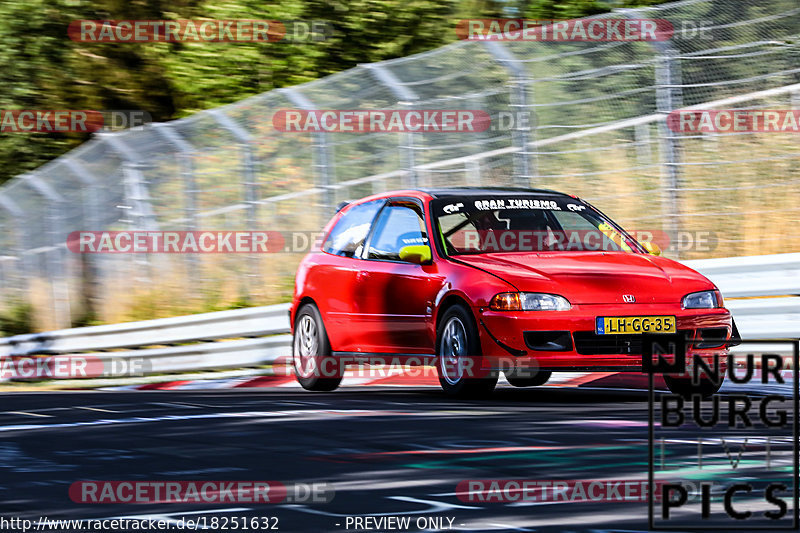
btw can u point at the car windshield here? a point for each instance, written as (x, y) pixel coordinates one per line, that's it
(525, 223)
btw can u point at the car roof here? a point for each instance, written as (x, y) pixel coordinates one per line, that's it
(449, 192)
(475, 191)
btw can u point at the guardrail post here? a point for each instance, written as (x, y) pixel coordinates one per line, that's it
(322, 156)
(406, 98)
(525, 162)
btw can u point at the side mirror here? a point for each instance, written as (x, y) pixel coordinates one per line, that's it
(418, 254)
(651, 247)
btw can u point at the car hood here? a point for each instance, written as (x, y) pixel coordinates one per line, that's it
(594, 277)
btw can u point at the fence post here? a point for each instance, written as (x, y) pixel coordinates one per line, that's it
(473, 170)
(90, 283)
(525, 163)
(135, 190)
(641, 134)
(142, 216)
(406, 98)
(185, 153)
(18, 227)
(322, 157)
(669, 97)
(249, 185)
(136, 196)
(92, 211)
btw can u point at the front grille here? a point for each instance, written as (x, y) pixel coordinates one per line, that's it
(590, 343)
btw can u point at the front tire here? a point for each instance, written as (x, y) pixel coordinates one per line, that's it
(684, 387)
(314, 366)
(458, 352)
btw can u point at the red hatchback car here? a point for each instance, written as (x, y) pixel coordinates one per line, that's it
(478, 281)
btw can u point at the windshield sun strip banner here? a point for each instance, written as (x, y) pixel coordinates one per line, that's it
(470, 206)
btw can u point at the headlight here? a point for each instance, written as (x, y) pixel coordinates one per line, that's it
(529, 301)
(702, 300)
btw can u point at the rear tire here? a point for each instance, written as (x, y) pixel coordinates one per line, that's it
(684, 387)
(540, 378)
(314, 366)
(458, 351)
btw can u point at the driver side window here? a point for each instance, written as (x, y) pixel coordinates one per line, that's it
(398, 225)
(347, 237)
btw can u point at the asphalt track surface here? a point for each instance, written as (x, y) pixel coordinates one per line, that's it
(387, 452)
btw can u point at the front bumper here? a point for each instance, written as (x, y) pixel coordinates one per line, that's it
(571, 342)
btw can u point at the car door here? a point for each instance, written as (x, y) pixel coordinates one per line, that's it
(394, 297)
(334, 279)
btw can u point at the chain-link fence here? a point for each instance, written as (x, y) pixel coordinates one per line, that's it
(600, 132)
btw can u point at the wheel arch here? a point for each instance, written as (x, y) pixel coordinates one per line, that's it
(448, 301)
(303, 301)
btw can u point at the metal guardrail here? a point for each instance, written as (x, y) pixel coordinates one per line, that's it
(771, 282)
(156, 340)
(769, 286)
(248, 322)
(754, 276)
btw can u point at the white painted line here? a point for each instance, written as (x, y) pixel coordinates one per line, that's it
(96, 409)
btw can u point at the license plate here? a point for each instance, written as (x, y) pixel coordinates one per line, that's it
(626, 325)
